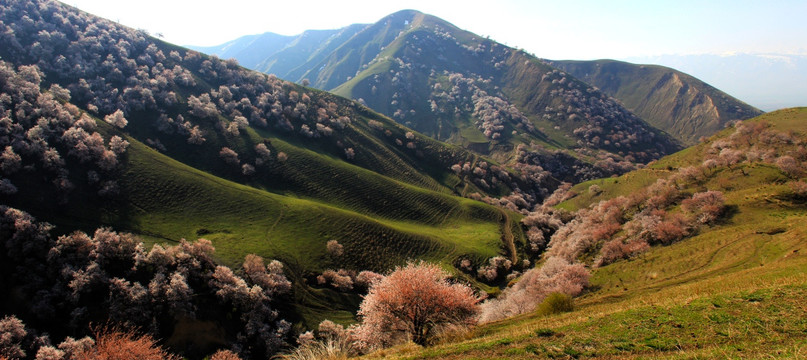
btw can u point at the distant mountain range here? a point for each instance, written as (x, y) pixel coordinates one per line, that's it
(288, 57)
(767, 81)
(459, 87)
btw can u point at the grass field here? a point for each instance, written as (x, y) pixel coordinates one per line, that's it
(240, 219)
(734, 290)
(163, 200)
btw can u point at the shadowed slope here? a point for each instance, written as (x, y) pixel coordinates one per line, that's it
(670, 100)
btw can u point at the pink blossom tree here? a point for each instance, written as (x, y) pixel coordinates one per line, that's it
(9, 161)
(117, 119)
(415, 300)
(334, 248)
(263, 153)
(705, 207)
(788, 165)
(12, 334)
(229, 156)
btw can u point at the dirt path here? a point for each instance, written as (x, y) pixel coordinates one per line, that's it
(507, 236)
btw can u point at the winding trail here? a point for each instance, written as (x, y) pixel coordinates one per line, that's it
(507, 236)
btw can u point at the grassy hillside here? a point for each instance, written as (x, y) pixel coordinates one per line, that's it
(250, 162)
(670, 100)
(788, 121)
(735, 289)
(345, 61)
(163, 201)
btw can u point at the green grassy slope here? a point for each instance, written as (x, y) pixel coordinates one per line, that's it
(170, 200)
(342, 64)
(393, 199)
(163, 200)
(381, 221)
(736, 289)
(315, 169)
(670, 100)
(722, 178)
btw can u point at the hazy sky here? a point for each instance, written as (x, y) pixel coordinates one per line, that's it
(550, 29)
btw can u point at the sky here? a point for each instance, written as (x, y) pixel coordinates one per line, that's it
(583, 30)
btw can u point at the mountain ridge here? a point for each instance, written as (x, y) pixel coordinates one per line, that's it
(770, 73)
(664, 110)
(686, 106)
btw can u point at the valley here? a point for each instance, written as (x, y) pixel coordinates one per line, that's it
(401, 189)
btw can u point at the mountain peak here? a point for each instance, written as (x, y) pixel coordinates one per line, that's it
(458, 87)
(405, 13)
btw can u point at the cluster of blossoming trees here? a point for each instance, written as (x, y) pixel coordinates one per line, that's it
(177, 101)
(65, 284)
(435, 83)
(625, 226)
(40, 132)
(115, 73)
(458, 96)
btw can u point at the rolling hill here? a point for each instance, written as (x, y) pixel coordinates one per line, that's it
(105, 126)
(731, 287)
(668, 99)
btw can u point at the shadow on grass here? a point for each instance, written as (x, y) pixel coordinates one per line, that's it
(728, 215)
